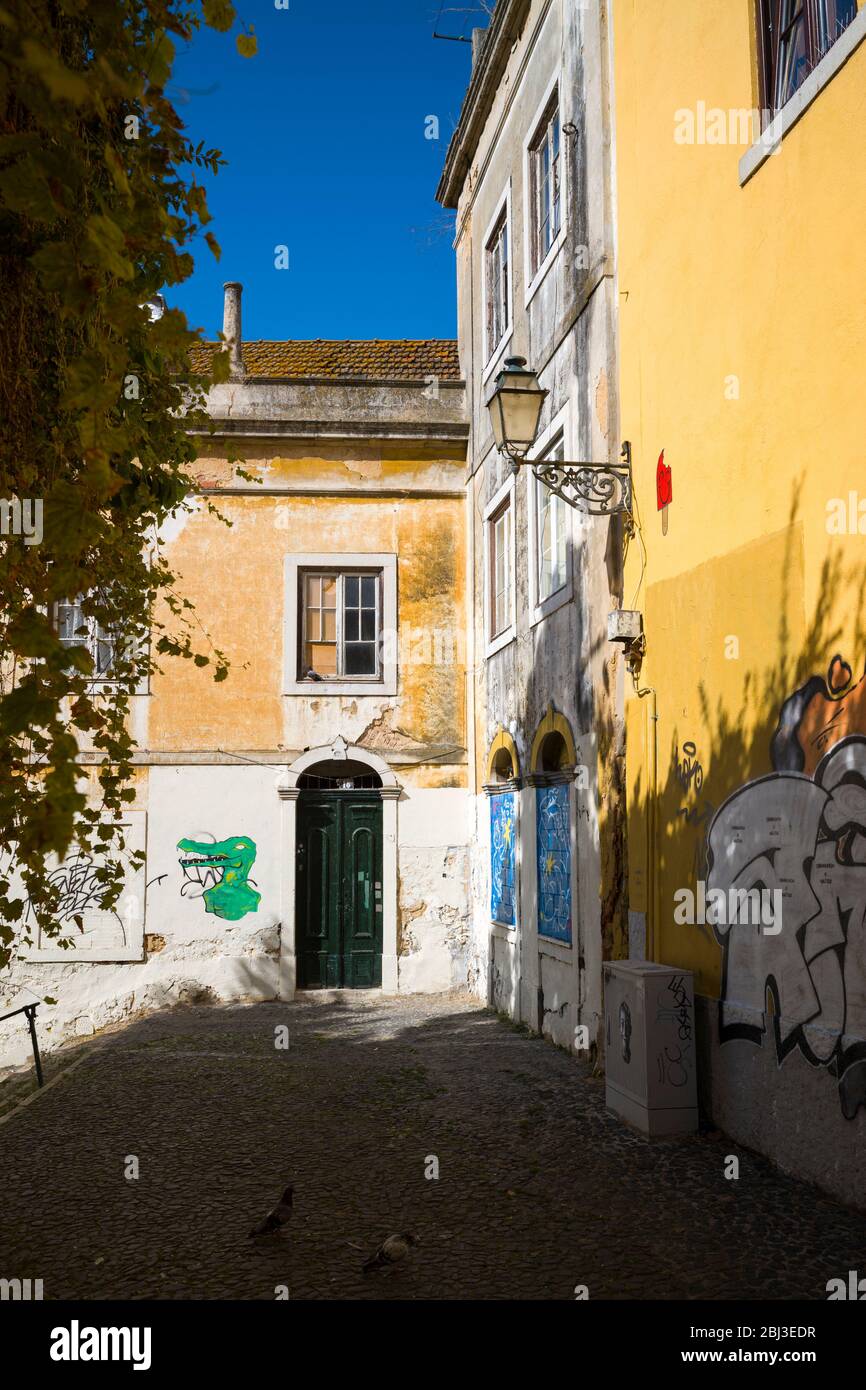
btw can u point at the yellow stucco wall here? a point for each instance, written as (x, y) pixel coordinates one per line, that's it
(743, 343)
(235, 578)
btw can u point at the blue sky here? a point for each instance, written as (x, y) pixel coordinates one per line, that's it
(324, 133)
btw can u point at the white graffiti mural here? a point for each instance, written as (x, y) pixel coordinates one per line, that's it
(802, 832)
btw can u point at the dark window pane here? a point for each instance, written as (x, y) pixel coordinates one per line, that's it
(351, 583)
(103, 657)
(796, 35)
(833, 17)
(72, 626)
(368, 591)
(350, 631)
(360, 659)
(368, 625)
(793, 62)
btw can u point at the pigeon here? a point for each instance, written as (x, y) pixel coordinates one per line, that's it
(312, 675)
(276, 1219)
(391, 1251)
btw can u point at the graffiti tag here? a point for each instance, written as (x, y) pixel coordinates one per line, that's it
(802, 830)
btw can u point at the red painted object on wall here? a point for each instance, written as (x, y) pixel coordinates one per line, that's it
(664, 483)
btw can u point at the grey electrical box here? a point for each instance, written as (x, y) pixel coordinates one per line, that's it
(650, 1057)
(624, 625)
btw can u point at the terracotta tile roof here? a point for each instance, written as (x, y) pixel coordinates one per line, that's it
(394, 359)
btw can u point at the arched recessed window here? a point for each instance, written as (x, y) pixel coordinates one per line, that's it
(503, 761)
(553, 748)
(553, 754)
(503, 767)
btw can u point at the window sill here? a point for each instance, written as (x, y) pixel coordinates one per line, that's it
(497, 356)
(106, 687)
(353, 688)
(541, 273)
(550, 605)
(55, 955)
(496, 644)
(503, 931)
(784, 119)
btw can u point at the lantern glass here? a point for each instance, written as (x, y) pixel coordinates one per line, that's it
(515, 407)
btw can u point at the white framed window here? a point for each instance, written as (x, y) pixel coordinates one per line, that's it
(544, 181)
(341, 624)
(104, 643)
(550, 528)
(341, 620)
(501, 528)
(546, 190)
(497, 287)
(552, 541)
(74, 629)
(499, 586)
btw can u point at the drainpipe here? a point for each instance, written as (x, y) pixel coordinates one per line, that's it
(232, 326)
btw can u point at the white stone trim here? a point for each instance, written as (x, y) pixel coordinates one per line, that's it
(505, 491)
(540, 608)
(498, 352)
(386, 682)
(532, 279)
(835, 58)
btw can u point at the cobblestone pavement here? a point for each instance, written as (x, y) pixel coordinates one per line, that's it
(539, 1188)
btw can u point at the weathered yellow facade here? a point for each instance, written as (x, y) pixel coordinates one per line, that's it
(742, 339)
(234, 576)
(299, 829)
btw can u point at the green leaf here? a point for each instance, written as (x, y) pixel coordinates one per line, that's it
(24, 189)
(98, 214)
(247, 44)
(218, 14)
(31, 634)
(61, 83)
(108, 244)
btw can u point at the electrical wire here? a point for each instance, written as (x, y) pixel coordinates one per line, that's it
(638, 527)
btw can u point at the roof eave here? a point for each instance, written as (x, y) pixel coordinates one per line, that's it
(505, 26)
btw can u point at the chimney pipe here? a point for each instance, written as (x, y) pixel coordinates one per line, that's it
(232, 325)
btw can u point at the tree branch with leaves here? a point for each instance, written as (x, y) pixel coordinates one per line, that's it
(101, 198)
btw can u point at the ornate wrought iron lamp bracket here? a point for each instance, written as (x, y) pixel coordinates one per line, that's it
(599, 489)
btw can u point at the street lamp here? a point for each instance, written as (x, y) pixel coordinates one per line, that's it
(515, 409)
(515, 404)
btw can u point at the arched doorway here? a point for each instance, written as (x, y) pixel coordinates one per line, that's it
(340, 873)
(338, 893)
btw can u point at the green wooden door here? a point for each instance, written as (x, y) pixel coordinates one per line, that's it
(338, 897)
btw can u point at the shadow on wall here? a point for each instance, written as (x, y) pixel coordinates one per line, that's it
(762, 791)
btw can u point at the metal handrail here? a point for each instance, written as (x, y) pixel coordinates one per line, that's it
(30, 1011)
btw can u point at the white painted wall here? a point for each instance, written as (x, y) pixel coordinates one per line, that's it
(433, 837)
(206, 957)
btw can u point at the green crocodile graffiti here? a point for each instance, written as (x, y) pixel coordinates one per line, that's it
(218, 872)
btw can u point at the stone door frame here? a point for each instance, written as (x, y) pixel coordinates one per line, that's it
(288, 792)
